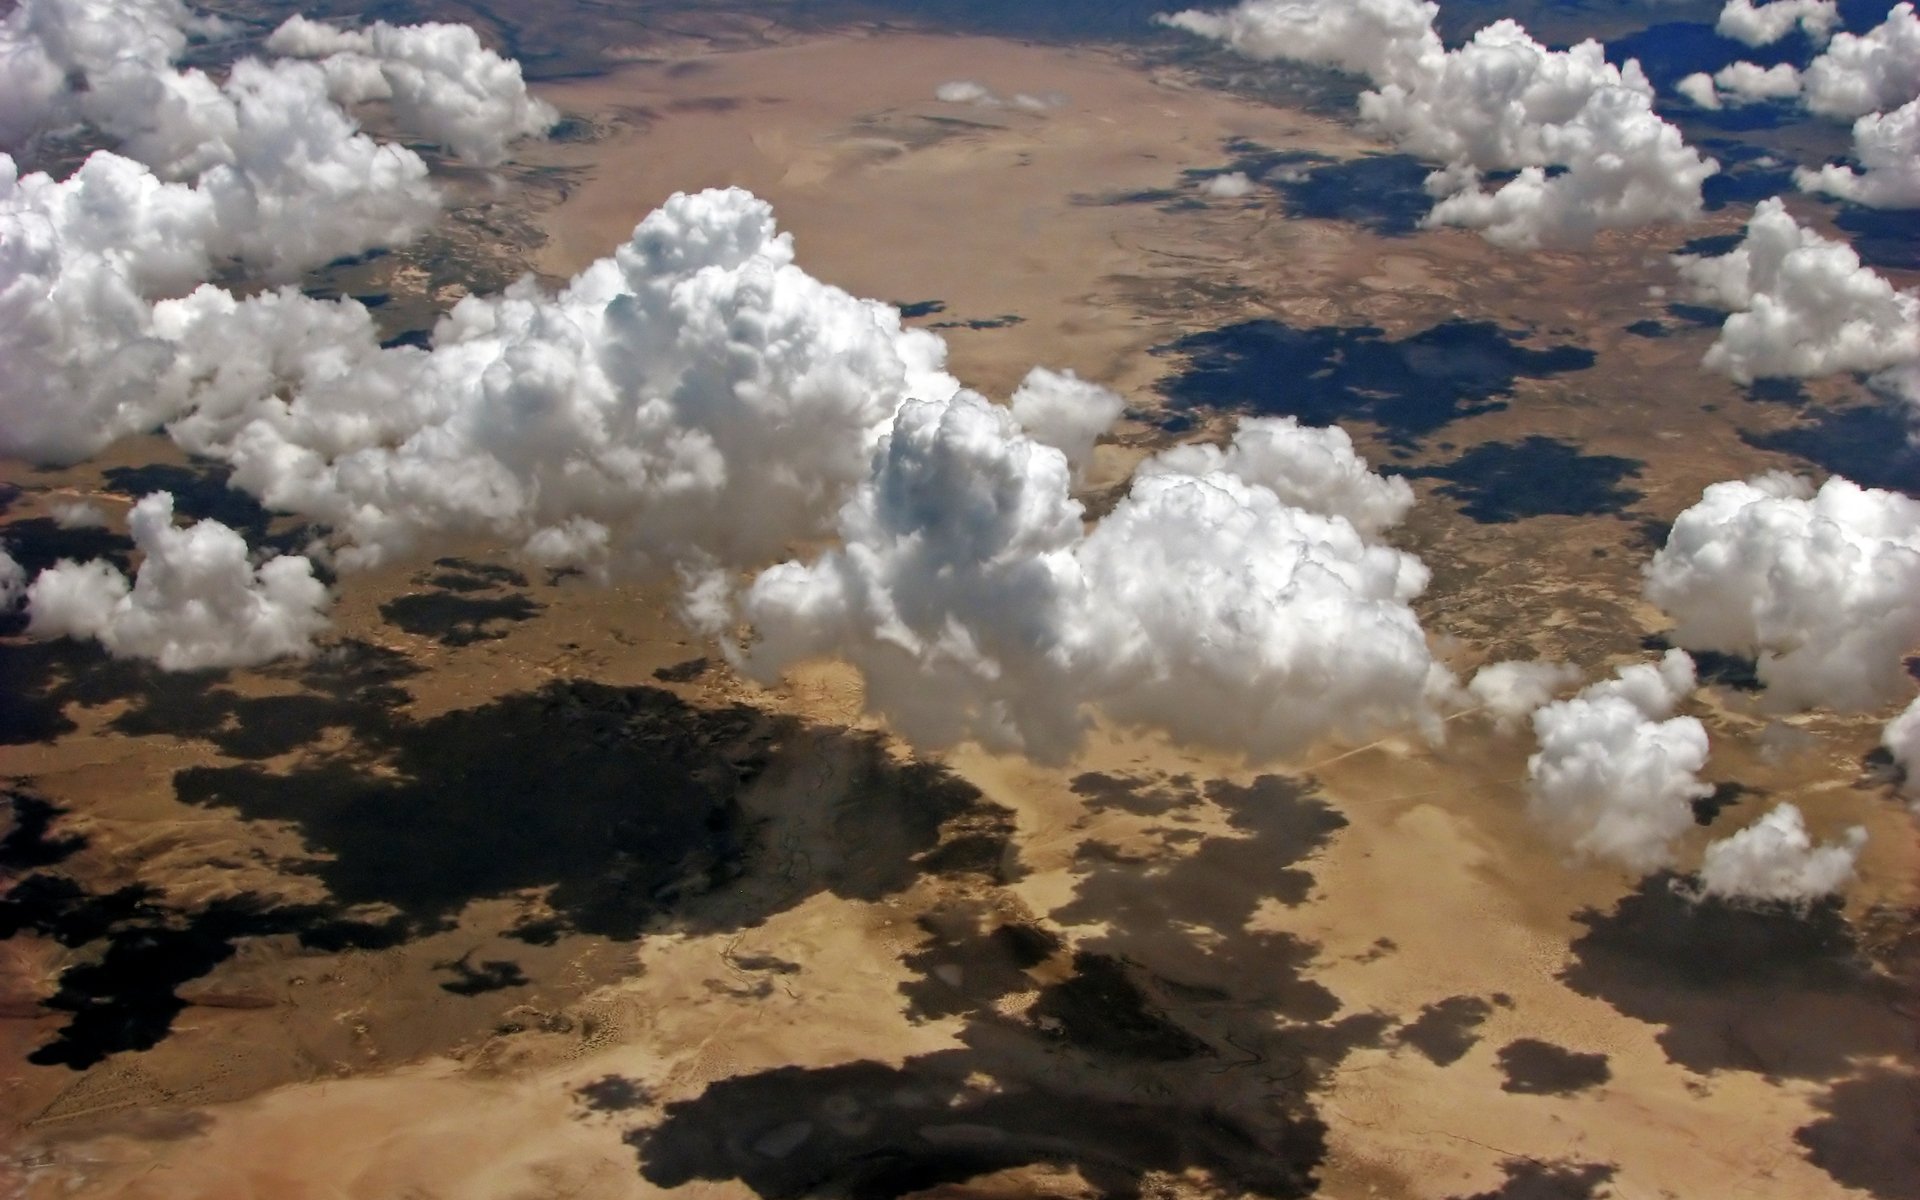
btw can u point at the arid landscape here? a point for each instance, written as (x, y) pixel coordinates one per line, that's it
(516, 888)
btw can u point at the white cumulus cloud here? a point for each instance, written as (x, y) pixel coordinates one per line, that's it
(1823, 589)
(443, 84)
(197, 601)
(1765, 24)
(1802, 304)
(1511, 691)
(971, 596)
(1774, 859)
(1887, 146)
(1616, 774)
(1062, 410)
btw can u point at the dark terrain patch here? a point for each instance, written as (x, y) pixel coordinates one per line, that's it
(1867, 1138)
(1103, 1009)
(1768, 989)
(1867, 443)
(1533, 1179)
(1408, 387)
(1537, 1068)
(1446, 1029)
(1144, 797)
(869, 1131)
(457, 619)
(1882, 237)
(488, 975)
(37, 543)
(1502, 482)
(612, 1093)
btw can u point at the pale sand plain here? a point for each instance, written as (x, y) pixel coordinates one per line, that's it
(1299, 928)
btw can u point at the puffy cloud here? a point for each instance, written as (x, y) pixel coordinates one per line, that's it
(78, 514)
(1765, 24)
(1823, 588)
(1802, 304)
(1869, 72)
(1062, 410)
(1231, 186)
(443, 84)
(1615, 775)
(13, 581)
(968, 91)
(694, 396)
(975, 603)
(1582, 134)
(1887, 146)
(1741, 83)
(47, 45)
(78, 259)
(1902, 740)
(1773, 859)
(1511, 691)
(1382, 39)
(1857, 74)
(196, 602)
(1315, 469)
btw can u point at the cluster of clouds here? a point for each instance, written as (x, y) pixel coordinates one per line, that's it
(1587, 150)
(697, 403)
(1616, 775)
(979, 95)
(1234, 597)
(1872, 78)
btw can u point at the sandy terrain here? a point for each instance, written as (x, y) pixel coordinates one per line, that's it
(1361, 973)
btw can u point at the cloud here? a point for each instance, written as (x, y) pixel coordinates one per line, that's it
(1231, 186)
(78, 514)
(1314, 469)
(1870, 72)
(1887, 146)
(967, 91)
(1855, 75)
(1803, 305)
(1773, 859)
(1615, 775)
(442, 84)
(1511, 691)
(1062, 410)
(1741, 83)
(976, 604)
(1588, 150)
(1823, 589)
(1901, 738)
(196, 602)
(695, 396)
(1765, 24)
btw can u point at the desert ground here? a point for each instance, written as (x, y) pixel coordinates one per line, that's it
(519, 891)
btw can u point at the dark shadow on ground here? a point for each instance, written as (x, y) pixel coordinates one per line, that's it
(1866, 443)
(1867, 1138)
(1446, 1029)
(1882, 237)
(201, 492)
(1502, 482)
(1532, 1179)
(1764, 989)
(1136, 1056)
(1536, 1068)
(617, 808)
(1408, 387)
